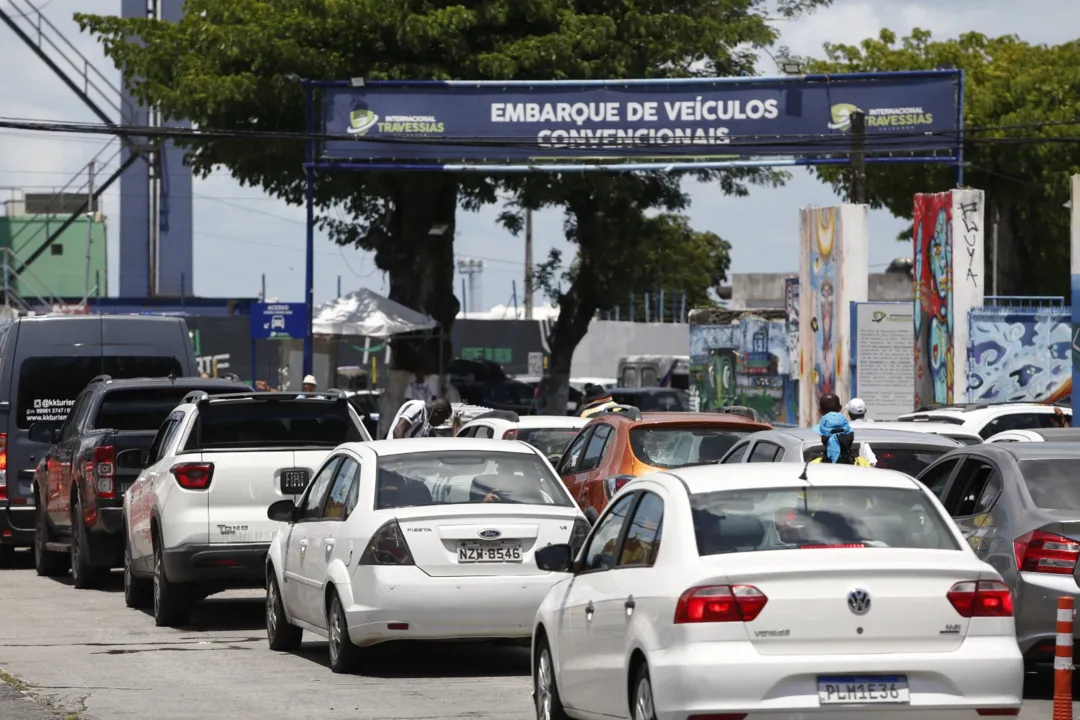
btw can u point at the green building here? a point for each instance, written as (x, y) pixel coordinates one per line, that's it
(59, 271)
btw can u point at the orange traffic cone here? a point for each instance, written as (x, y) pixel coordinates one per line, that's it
(1063, 660)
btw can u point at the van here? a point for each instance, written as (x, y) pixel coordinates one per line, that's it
(45, 362)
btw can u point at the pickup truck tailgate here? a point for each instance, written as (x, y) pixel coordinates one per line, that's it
(245, 484)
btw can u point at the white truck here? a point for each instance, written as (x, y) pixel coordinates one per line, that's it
(195, 520)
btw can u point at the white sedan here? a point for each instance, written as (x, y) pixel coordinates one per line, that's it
(417, 539)
(727, 617)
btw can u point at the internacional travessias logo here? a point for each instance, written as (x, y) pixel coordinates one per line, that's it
(362, 120)
(885, 118)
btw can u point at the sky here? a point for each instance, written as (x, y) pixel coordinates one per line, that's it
(242, 235)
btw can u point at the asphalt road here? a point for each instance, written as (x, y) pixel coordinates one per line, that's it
(67, 654)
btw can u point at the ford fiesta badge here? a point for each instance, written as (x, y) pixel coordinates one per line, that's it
(490, 534)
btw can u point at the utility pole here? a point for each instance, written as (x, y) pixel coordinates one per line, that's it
(994, 252)
(528, 264)
(89, 226)
(857, 194)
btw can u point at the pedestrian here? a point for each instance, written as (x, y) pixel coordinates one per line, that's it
(1058, 419)
(836, 434)
(262, 386)
(597, 399)
(419, 389)
(416, 418)
(856, 410)
(309, 384)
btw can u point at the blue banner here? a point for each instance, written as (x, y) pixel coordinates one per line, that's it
(278, 321)
(718, 119)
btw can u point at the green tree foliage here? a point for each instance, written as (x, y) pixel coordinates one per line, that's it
(1008, 83)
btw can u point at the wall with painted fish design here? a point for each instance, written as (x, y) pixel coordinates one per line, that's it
(1019, 354)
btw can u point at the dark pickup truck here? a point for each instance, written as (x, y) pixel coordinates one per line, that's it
(78, 485)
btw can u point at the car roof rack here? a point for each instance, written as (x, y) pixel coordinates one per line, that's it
(629, 411)
(101, 379)
(195, 397)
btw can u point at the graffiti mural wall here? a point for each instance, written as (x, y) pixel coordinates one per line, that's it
(948, 284)
(744, 362)
(1020, 354)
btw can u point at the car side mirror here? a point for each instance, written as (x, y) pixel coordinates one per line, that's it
(554, 459)
(132, 459)
(555, 558)
(281, 511)
(44, 432)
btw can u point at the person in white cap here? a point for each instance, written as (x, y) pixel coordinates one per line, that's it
(856, 410)
(309, 383)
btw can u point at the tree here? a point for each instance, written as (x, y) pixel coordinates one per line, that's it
(234, 66)
(1008, 83)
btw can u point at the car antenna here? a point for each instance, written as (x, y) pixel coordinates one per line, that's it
(804, 469)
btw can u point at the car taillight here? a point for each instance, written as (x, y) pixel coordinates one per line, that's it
(103, 471)
(510, 434)
(193, 476)
(983, 598)
(1044, 552)
(720, 603)
(387, 547)
(3, 466)
(578, 535)
(614, 484)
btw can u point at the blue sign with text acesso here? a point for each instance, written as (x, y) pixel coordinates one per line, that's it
(278, 321)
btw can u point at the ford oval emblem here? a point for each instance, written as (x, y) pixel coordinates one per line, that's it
(490, 534)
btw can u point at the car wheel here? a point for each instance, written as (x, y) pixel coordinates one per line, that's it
(344, 656)
(172, 604)
(83, 574)
(545, 689)
(46, 562)
(282, 634)
(643, 708)
(138, 592)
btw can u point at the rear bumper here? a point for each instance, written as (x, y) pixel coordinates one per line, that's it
(732, 677)
(241, 565)
(17, 525)
(110, 521)
(1035, 601)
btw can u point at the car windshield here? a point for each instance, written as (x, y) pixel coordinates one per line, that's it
(1052, 482)
(272, 423)
(890, 456)
(669, 446)
(549, 441)
(730, 521)
(458, 477)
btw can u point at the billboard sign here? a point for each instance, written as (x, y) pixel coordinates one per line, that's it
(278, 321)
(650, 120)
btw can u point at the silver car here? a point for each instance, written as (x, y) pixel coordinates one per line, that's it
(907, 452)
(1018, 504)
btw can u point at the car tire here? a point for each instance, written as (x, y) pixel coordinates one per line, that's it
(344, 656)
(83, 574)
(545, 688)
(138, 592)
(171, 601)
(642, 706)
(7, 556)
(47, 563)
(282, 635)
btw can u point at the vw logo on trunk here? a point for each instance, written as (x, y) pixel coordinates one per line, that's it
(858, 601)
(489, 534)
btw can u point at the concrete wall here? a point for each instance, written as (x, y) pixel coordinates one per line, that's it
(607, 340)
(1019, 354)
(751, 291)
(59, 272)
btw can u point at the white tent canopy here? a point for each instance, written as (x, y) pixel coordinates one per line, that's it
(368, 314)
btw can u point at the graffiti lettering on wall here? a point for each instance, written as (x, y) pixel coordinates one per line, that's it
(745, 363)
(1019, 356)
(500, 355)
(933, 299)
(823, 226)
(970, 214)
(213, 365)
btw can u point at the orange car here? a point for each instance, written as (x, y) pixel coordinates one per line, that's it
(615, 447)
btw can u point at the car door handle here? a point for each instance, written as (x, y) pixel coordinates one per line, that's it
(329, 542)
(589, 610)
(630, 604)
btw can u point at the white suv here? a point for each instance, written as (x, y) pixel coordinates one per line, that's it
(987, 420)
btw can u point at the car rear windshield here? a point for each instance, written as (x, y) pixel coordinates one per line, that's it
(1052, 482)
(730, 521)
(272, 423)
(452, 478)
(48, 386)
(132, 409)
(659, 401)
(902, 458)
(549, 441)
(669, 446)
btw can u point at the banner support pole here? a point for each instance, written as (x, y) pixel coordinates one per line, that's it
(960, 132)
(309, 260)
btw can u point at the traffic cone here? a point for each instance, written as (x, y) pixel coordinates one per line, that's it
(1063, 660)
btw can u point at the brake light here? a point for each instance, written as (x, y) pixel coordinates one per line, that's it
(998, 712)
(387, 547)
(1044, 552)
(720, 603)
(614, 484)
(102, 471)
(193, 476)
(510, 434)
(3, 466)
(984, 598)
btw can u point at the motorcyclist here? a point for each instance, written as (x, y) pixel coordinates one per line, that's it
(856, 410)
(836, 434)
